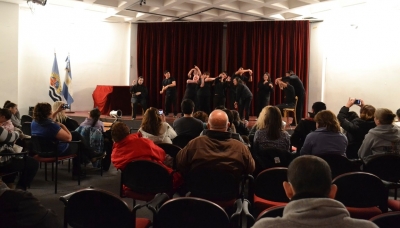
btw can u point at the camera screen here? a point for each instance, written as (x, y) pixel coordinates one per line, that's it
(357, 101)
(160, 112)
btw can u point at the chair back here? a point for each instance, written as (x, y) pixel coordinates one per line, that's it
(26, 118)
(26, 128)
(182, 140)
(170, 149)
(191, 212)
(272, 212)
(146, 177)
(273, 157)
(387, 220)
(361, 190)
(269, 184)
(386, 167)
(96, 208)
(339, 164)
(213, 184)
(43, 146)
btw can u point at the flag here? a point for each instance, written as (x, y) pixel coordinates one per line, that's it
(67, 91)
(55, 87)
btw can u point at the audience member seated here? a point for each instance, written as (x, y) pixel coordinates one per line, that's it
(15, 118)
(43, 126)
(384, 138)
(188, 125)
(289, 94)
(305, 126)
(5, 119)
(327, 138)
(202, 116)
(357, 128)
(216, 148)
(270, 133)
(129, 147)
(311, 197)
(241, 127)
(16, 164)
(398, 117)
(60, 116)
(21, 209)
(155, 128)
(93, 120)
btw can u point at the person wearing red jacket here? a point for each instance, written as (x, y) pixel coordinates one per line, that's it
(129, 147)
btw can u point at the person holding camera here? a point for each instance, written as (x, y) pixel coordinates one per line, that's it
(357, 128)
(60, 117)
(155, 128)
(139, 96)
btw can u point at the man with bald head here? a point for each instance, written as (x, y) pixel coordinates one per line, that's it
(216, 149)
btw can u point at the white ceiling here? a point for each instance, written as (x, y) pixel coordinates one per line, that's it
(202, 10)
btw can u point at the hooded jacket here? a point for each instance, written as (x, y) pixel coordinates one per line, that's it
(380, 140)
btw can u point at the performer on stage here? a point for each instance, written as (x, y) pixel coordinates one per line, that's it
(290, 100)
(169, 87)
(139, 96)
(220, 85)
(204, 92)
(243, 98)
(241, 74)
(265, 89)
(299, 91)
(191, 84)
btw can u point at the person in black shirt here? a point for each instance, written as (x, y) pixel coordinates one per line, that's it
(204, 92)
(139, 96)
(241, 74)
(299, 91)
(290, 100)
(220, 86)
(191, 85)
(243, 98)
(169, 87)
(265, 88)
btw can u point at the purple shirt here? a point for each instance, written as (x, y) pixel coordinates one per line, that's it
(88, 123)
(322, 141)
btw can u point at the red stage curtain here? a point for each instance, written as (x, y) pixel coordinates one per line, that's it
(177, 47)
(274, 47)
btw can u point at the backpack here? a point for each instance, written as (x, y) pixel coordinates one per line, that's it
(93, 138)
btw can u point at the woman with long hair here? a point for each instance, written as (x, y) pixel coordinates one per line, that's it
(155, 128)
(356, 128)
(327, 138)
(15, 117)
(60, 117)
(271, 133)
(93, 120)
(265, 87)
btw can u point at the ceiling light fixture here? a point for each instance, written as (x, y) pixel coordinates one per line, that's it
(40, 2)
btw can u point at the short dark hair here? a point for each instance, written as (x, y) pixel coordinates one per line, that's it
(166, 71)
(10, 105)
(309, 174)
(384, 115)
(187, 106)
(6, 113)
(140, 77)
(42, 111)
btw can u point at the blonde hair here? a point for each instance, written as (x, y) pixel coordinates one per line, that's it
(60, 117)
(260, 123)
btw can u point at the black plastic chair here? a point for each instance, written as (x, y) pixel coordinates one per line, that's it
(10, 157)
(386, 167)
(46, 151)
(26, 128)
(26, 118)
(272, 212)
(273, 157)
(98, 208)
(182, 140)
(387, 220)
(170, 149)
(363, 194)
(191, 212)
(268, 189)
(144, 179)
(339, 164)
(217, 185)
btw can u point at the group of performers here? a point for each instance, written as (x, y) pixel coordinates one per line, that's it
(198, 89)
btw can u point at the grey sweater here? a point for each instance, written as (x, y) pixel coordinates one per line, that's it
(380, 140)
(314, 212)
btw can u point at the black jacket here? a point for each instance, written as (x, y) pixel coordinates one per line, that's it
(301, 131)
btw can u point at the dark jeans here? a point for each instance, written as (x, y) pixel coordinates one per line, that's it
(170, 99)
(28, 169)
(244, 105)
(299, 107)
(262, 102)
(219, 101)
(142, 102)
